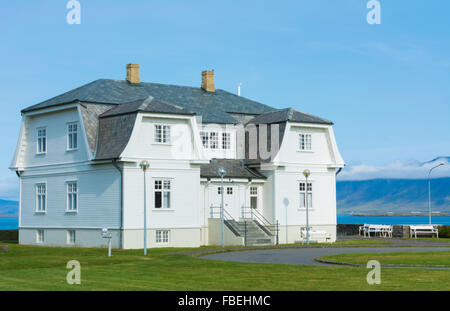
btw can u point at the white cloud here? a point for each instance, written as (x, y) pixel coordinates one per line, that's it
(398, 170)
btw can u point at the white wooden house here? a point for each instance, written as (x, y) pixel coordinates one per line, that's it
(78, 160)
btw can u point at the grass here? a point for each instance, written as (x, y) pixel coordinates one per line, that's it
(442, 240)
(43, 268)
(403, 258)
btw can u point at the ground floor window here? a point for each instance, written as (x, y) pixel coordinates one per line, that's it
(162, 193)
(303, 197)
(162, 236)
(254, 197)
(40, 236)
(71, 238)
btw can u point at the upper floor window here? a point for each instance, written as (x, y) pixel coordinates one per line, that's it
(215, 140)
(72, 196)
(162, 134)
(72, 136)
(41, 146)
(162, 193)
(304, 141)
(226, 140)
(41, 197)
(303, 197)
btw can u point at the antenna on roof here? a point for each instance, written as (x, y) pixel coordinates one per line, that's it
(239, 89)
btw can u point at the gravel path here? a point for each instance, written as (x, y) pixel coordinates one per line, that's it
(306, 256)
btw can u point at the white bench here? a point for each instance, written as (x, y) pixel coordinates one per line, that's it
(423, 229)
(316, 235)
(381, 230)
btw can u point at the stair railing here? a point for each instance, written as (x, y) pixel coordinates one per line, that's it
(267, 226)
(214, 212)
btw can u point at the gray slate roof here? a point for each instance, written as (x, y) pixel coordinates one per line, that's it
(235, 169)
(146, 105)
(213, 107)
(288, 114)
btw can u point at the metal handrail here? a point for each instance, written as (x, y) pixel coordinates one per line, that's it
(255, 215)
(226, 216)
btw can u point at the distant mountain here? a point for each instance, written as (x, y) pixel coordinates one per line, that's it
(9, 208)
(392, 195)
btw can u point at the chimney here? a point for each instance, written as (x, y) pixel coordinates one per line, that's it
(133, 73)
(208, 81)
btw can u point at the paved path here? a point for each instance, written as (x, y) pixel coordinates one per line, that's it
(306, 256)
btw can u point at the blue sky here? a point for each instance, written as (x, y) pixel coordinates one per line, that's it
(386, 87)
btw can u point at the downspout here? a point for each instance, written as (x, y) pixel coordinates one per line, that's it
(338, 171)
(114, 163)
(206, 212)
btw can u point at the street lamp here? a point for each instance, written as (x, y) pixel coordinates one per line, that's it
(307, 173)
(222, 172)
(145, 165)
(429, 191)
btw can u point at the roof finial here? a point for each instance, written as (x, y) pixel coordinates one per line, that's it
(239, 89)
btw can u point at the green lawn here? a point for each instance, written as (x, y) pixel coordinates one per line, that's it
(406, 258)
(41, 268)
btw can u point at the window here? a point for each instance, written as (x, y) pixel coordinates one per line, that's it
(162, 236)
(72, 196)
(213, 140)
(72, 136)
(302, 189)
(71, 238)
(162, 134)
(254, 197)
(41, 198)
(305, 141)
(229, 190)
(162, 193)
(41, 140)
(216, 140)
(205, 139)
(40, 236)
(219, 190)
(226, 143)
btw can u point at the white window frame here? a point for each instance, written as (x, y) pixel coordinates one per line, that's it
(301, 188)
(40, 236)
(164, 186)
(72, 196)
(226, 140)
(162, 236)
(39, 195)
(304, 142)
(162, 135)
(71, 134)
(71, 237)
(215, 139)
(229, 190)
(41, 140)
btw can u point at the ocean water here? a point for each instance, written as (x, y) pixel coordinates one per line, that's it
(9, 223)
(393, 220)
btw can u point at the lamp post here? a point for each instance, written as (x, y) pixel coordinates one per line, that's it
(429, 191)
(307, 173)
(222, 172)
(145, 165)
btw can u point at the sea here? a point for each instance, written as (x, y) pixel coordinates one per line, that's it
(13, 223)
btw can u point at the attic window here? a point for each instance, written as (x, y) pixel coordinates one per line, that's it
(41, 146)
(304, 142)
(162, 134)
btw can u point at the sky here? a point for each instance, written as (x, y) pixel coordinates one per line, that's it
(386, 87)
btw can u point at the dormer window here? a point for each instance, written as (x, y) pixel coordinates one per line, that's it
(304, 142)
(162, 134)
(216, 140)
(72, 136)
(41, 144)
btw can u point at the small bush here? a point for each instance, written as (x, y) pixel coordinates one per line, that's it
(444, 231)
(9, 235)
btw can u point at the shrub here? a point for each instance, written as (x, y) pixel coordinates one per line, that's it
(444, 231)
